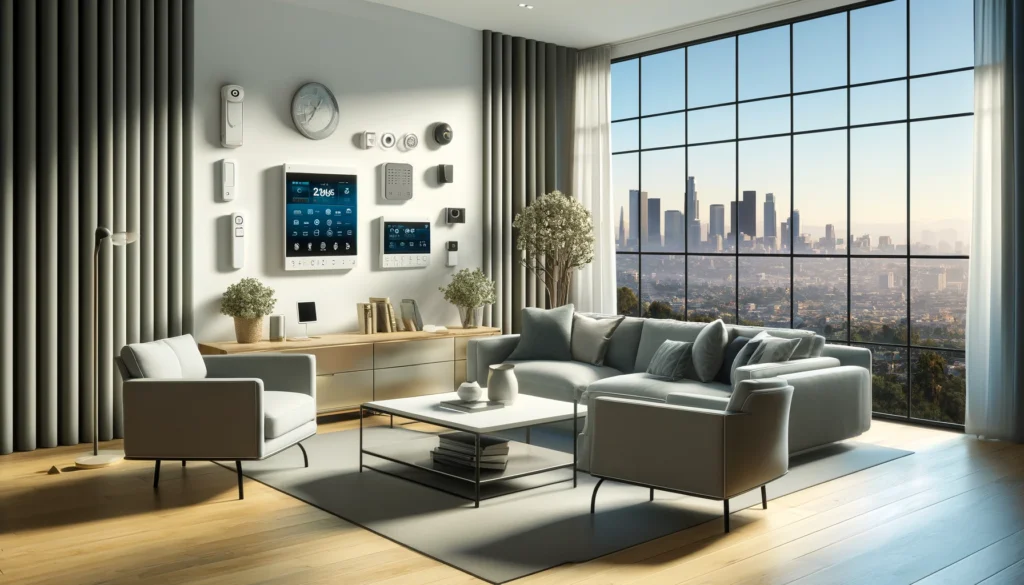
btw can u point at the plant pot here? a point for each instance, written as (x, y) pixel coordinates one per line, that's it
(502, 385)
(248, 330)
(470, 317)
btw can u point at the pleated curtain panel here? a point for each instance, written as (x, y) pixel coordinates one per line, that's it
(528, 89)
(95, 130)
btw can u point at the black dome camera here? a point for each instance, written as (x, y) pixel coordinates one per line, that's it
(442, 133)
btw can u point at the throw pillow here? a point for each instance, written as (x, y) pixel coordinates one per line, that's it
(731, 351)
(591, 338)
(709, 350)
(673, 361)
(774, 350)
(743, 357)
(546, 335)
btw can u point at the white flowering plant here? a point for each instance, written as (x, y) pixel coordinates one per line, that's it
(470, 289)
(248, 299)
(556, 236)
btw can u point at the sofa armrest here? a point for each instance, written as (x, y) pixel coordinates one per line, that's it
(697, 401)
(484, 352)
(283, 372)
(833, 404)
(193, 419)
(645, 442)
(774, 370)
(848, 355)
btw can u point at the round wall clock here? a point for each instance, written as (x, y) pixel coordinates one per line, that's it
(315, 111)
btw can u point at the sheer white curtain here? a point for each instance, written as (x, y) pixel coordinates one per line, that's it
(995, 312)
(592, 177)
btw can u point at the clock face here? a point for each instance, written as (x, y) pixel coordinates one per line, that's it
(315, 111)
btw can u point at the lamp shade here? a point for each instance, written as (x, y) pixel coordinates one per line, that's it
(123, 238)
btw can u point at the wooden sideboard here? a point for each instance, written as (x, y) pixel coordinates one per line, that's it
(353, 368)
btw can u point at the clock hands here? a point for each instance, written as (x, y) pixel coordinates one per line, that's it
(310, 117)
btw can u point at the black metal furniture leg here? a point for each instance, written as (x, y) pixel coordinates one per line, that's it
(726, 503)
(593, 498)
(238, 468)
(764, 498)
(652, 495)
(360, 439)
(528, 429)
(305, 458)
(476, 483)
(392, 421)
(575, 439)
(156, 474)
(183, 463)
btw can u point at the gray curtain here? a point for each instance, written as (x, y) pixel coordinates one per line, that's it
(995, 301)
(528, 107)
(95, 117)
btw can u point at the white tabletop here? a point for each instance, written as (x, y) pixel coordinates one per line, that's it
(525, 411)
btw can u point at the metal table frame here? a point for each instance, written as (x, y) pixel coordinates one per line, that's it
(476, 481)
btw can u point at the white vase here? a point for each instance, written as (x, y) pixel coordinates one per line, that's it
(502, 385)
(470, 392)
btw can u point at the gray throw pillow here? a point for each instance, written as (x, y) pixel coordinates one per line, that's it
(743, 357)
(545, 335)
(591, 338)
(709, 350)
(774, 350)
(673, 361)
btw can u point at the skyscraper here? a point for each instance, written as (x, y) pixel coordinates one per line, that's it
(692, 204)
(622, 226)
(769, 215)
(634, 217)
(830, 236)
(641, 209)
(795, 224)
(717, 221)
(674, 234)
(748, 214)
(784, 238)
(653, 223)
(694, 235)
(730, 239)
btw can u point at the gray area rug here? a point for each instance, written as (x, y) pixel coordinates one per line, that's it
(518, 534)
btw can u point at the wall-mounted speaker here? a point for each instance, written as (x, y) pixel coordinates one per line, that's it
(444, 173)
(454, 215)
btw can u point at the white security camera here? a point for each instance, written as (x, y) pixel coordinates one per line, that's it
(231, 97)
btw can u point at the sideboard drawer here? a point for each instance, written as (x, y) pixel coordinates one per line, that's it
(343, 391)
(394, 354)
(340, 358)
(417, 380)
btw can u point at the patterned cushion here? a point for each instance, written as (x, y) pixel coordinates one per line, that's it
(773, 350)
(673, 361)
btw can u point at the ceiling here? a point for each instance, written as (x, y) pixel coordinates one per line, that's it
(579, 23)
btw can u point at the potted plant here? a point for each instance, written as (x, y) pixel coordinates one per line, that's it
(248, 301)
(556, 234)
(469, 290)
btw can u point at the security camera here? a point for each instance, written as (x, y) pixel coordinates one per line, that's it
(442, 133)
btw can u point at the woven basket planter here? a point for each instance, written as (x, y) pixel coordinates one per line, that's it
(248, 330)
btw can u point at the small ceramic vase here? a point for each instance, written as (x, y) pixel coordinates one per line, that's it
(502, 385)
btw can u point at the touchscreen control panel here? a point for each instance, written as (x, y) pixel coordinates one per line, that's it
(321, 217)
(404, 243)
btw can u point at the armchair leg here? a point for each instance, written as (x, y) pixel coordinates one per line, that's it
(183, 463)
(652, 495)
(305, 458)
(593, 498)
(726, 503)
(156, 474)
(764, 498)
(238, 468)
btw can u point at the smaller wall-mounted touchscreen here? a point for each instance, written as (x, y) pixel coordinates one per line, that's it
(404, 243)
(321, 217)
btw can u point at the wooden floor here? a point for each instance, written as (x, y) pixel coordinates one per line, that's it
(952, 513)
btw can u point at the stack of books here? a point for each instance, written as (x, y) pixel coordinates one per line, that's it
(377, 316)
(458, 449)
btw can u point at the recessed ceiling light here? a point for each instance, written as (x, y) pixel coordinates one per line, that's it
(526, 6)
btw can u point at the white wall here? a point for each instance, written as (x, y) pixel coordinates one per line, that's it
(391, 70)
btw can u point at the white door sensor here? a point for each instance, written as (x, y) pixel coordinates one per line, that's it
(231, 97)
(237, 240)
(452, 249)
(228, 179)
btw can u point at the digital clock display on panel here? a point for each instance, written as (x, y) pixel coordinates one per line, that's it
(406, 237)
(321, 215)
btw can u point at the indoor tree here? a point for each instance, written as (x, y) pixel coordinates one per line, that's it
(556, 237)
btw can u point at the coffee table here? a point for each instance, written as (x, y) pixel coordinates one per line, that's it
(524, 459)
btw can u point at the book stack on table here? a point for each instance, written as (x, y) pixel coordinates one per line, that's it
(458, 449)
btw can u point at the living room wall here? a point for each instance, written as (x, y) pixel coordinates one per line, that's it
(391, 71)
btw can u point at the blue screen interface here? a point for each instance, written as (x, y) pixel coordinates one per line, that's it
(321, 215)
(406, 237)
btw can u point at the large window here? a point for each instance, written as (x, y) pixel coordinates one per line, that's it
(815, 174)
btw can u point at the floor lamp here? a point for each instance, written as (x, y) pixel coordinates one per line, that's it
(107, 458)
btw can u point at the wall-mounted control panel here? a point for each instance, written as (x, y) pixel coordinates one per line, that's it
(404, 243)
(396, 181)
(320, 216)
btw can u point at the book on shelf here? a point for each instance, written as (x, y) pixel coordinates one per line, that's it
(452, 462)
(469, 458)
(466, 443)
(389, 311)
(381, 317)
(411, 312)
(363, 318)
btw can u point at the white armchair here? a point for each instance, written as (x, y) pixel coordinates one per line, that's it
(181, 405)
(733, 451)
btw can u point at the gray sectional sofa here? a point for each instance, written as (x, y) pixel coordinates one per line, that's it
(831, 383)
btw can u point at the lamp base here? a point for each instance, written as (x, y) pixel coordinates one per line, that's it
(104, 459)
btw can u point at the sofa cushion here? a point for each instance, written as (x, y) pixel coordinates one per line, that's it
(285, 411)
(673, 361)
(621, 353)
(773, 350)
(591, 337)
(546, 334)
(656, 331)
(724, 375)
(649, 387)
(743, 357)
(558, 380)
(187, 351)
(153, 360)
(709, 350)
(810, 342)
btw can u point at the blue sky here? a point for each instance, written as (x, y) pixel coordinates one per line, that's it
(941, 38)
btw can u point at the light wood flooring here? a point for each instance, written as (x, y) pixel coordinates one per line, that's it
(952, 513)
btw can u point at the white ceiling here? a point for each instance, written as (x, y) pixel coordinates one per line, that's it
(580, 23)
